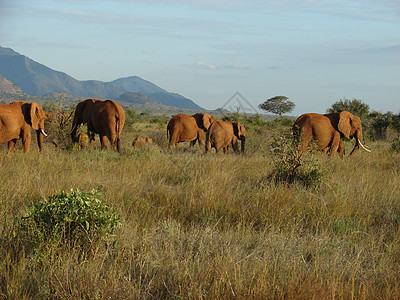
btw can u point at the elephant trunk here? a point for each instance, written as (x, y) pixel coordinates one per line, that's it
(242, 145)
(39, 136)
(75, 128)
(359, 142)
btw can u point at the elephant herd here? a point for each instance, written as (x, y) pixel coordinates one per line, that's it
(107, 118)
(206, 129)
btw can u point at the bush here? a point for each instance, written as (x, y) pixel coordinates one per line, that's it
(396, 145)
(77, 219)
(160, 120)
(280, 123)
(58, 124)
(291, 165)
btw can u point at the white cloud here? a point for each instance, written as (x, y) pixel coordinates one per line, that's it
(206, 65)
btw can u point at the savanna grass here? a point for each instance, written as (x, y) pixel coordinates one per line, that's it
(207, 226)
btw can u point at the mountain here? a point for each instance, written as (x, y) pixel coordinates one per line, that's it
(7, 87)
(134, 98)
(36, 79)
(171, 99)
(135, 84)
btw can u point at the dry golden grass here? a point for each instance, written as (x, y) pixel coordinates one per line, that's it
(207, 226)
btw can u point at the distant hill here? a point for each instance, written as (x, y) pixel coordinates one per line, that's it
(134, 98)
(36, 79)
(135, 84)
(171, 99)
(7, 87)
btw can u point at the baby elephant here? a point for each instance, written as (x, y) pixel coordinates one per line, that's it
(140, 142)
(222, 133)
(83, 140)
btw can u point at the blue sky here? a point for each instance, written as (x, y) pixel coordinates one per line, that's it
(315, 52)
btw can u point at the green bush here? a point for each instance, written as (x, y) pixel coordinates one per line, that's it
(76, 218)
(291, 165)
(160, 120)
(280, 123)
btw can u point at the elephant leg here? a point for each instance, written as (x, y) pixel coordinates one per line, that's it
(341, 148)
(305, 138)
(103, 142)
(208, 147)
(26, 141)
(335, 144)
(173, 143)
(304, 144)
(235, 146)
(201, 137)
(173, 140)
(225, 149)
(11, 145)
(217, 149)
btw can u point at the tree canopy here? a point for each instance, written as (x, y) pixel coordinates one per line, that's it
(277, 105)
(355, 106)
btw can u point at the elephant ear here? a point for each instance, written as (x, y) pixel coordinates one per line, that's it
(34, 114)
(83, 111)
(241, 130)
(206, 121)
(344, 124)
(236, 129)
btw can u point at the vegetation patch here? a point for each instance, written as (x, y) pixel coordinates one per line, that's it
(77, 219)
(293, 166)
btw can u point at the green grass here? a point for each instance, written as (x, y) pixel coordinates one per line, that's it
(207, 226)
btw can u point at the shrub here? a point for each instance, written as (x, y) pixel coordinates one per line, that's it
(160, 120)
(291, 165)
(76, 218)
(58, 124)
(280, 123)
(396, 145)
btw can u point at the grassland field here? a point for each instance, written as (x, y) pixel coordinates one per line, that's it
(198, 226)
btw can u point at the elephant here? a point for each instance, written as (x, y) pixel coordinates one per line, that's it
(328, 131)
(222, 133)
(184, 128)
(83, 140)
(16, 120)
(105, 118)
(140, 142)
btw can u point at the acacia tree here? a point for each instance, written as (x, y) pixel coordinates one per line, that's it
(277, 105)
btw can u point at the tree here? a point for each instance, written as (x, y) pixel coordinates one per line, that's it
(380, 123)
(396, 123)
(354, 106)
(277, 105)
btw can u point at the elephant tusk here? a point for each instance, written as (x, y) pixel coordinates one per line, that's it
(363, 146)
(42, 132)
(73, 128)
